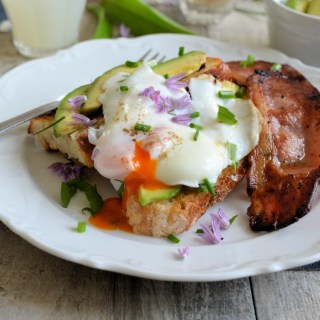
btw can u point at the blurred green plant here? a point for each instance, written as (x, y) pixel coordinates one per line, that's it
(134, 14)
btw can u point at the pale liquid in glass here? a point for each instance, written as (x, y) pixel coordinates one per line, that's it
(41, 27)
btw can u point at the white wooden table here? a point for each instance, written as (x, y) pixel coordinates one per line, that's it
(35, 285)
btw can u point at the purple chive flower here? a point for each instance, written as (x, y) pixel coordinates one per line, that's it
(184, 252)
(184, 102)
(124, 31)
(174, 82)
(82, 119)
(67, 171)
(221, 219)
(164, 104)
(151, 93)
(183, 119)
(77, 101)
(214, 236)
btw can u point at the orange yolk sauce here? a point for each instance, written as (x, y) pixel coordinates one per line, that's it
(112, 215)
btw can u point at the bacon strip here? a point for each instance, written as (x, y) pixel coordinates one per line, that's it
(285, 166)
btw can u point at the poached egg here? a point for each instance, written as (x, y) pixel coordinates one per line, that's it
(186, 141)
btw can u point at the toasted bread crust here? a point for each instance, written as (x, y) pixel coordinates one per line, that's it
(74, 146)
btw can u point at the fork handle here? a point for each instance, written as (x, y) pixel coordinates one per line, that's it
(24, 117)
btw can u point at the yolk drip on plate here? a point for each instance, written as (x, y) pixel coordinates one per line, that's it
(112, 215)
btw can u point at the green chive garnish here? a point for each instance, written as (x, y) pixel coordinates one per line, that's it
(209, 186)
(276, 67)
(249, 62)
(241, 93)
(166, 76)
(199, 231)
(173, 238)
(194, 115)
(91, 192)
(226, 94)
(196, 135)
(49, 126)
(131, 64)
(233, 218)
(232, 152)
(195, 126)
(181, 51)
(82, 225)
(124, 88)
(202, 188)
(142, 127)
(120, 190)
(226, 116)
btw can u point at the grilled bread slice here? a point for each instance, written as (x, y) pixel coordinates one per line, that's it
(159, 218)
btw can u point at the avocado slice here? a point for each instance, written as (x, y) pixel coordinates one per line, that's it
(147, 196)
(65, 110)
(299, 5)
(188, 63)
(314, 8)
(229, 86)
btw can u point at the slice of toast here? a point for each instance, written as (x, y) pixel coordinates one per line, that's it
(159, 218)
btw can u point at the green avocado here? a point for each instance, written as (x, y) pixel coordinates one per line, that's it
(67, 125)
(314, 8)
(187, 63)
(299, 5)
(149, 196)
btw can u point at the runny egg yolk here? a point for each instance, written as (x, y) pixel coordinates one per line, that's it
(112, 215)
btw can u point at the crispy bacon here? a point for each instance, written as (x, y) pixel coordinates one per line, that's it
(240, 74)
(285, 166)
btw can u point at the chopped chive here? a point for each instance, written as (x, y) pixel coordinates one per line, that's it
(181, 51)
(196, 135)
(91, 192)
(199, 231)
(121, 190)
(82, 225)
(202, 188)
(194, 115)
(232, 152)
(226, 94)
(226, 116)
(247, 63)
(66, 193)
(173, 238)
(124, 88)
(233, 218)
(166, 76)
(131, 64)
(276, 67)
(241, 93)
(50, 125)
(209, 186)
(142, 127)
(195, 126)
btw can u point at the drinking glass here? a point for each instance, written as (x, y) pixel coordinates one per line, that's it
(42, 27)
(204, 12)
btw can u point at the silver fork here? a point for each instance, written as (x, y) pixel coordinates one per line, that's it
(46, 108)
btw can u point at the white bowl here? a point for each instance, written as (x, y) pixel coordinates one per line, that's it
(294, 33)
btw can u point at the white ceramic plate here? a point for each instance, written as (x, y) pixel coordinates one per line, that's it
(29, 194)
